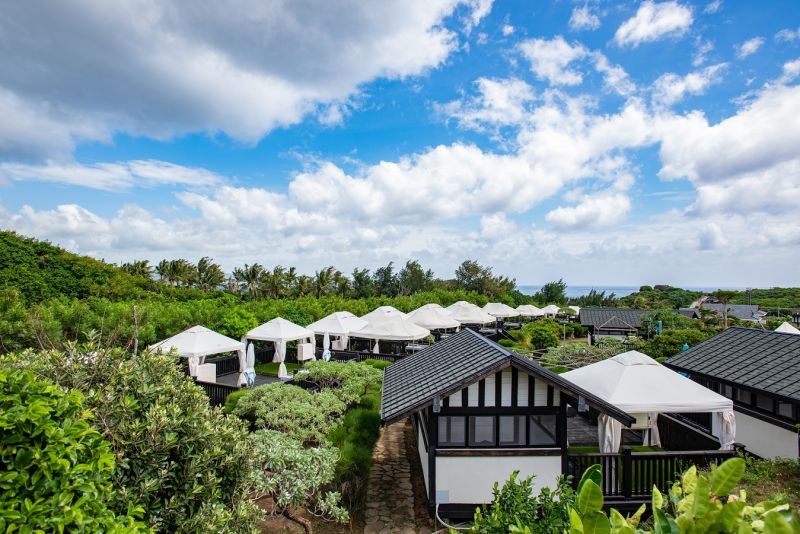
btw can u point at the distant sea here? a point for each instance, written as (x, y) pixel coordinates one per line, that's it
(619, 291)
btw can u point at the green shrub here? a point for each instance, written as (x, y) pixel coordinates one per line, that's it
(671, 342)
(377, 364)
(56, 471)
(507, 342)
(233, 400)
(186, 463)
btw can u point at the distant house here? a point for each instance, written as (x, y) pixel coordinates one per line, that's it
(743, 312)
(760, 371)
(691, 313)
(612, 322)
(479, 413)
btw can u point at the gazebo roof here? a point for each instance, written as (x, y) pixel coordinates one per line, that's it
(391, 327)
(198, 341)
(468, 313)
(339, 323)
(636, 383)
(279, 329)
(381, 311)
(433, 318)
(500, 310)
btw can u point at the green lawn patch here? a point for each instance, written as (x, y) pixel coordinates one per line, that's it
(271, 369)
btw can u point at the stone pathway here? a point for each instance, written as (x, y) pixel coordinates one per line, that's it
(390, 495)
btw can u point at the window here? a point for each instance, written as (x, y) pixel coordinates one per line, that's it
(452, 431)
(764, 402)
(481, 431)
(742, 395)
(542, 430)
(727, 391)
(512, 430)
(785, 410)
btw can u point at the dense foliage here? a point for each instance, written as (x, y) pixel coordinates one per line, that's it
(187, 464)
(56, 471)
(515, 505)
(544, 333)
(660, 296)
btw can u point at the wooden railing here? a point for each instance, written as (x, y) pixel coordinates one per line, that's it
(217, 393)
(226, 366)
(632, 475)
(343, 356)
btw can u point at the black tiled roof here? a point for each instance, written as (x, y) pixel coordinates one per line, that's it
(616, 318)
(456, 362)
(691, 313)
(758, 359)
(745, 312)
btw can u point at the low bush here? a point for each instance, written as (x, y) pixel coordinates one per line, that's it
(233, 400)
(56, 471)
(187, 464)
(377, 364)
(355, 438)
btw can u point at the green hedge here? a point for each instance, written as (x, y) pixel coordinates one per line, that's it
(56, 471)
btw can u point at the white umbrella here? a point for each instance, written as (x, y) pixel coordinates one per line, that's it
(382, 311)
(196, 343)
(326, 347)
(339, 323)
(551, 309)
(433, 318)
(529, 310)
(500, 310)
(250, 366)
(467, 313)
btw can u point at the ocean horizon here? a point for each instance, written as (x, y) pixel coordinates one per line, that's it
(619, 291)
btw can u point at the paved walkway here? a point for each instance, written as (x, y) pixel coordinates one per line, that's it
(390, 496)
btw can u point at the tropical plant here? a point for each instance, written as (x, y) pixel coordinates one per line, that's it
(697, 503)
(552, 293)
(209, 274)
(248, 277)
(186, 463)
(56, 470)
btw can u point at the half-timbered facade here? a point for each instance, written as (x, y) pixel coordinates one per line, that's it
(481, 412)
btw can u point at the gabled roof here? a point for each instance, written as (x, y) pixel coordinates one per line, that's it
(612, 318)
(456, 362)
(758, 359)
(745, 312)
(691, 313)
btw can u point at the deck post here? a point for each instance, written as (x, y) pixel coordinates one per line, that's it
(627, 472)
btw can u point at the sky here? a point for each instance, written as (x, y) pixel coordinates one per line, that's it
(599, 142)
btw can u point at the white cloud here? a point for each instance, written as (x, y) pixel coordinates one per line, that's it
(787, 35)
(500, 102)
(749, 47)
(671, 88)
(614, 76)
(582, 18)
(168, 68)
(551, 58)
(654, 21)
(111, 176)
(507, 30)
(791, 70)
(478, 10)
(712, 7)
(592, 210)
(704, 48)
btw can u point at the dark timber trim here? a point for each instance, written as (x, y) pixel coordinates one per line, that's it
(498, 389)
(482, 393)
(433, 425)
(528, 451)
(514, 383)
(465, 396)
(550, 394)
(531, 391)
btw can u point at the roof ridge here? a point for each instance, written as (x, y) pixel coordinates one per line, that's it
(490, 342)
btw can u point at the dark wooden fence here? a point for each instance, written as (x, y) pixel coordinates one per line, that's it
(217, 393)
(227, 365)
(679, 434)
(632, 475)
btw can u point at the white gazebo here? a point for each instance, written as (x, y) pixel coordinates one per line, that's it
(390, 327)
(500, 310)
(529, 310)
(280, 331)
(196, 343)
(433, 318)
(786, 328)
(468, 313)
(382, 311)
(642, 387)
(339, 324)
(551, 309)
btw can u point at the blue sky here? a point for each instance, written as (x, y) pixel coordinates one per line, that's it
(603, 142)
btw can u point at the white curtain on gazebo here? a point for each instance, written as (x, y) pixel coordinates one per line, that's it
(609, 433)
(727, 429)
(280, 356)
(250, 365)
(326, 347)
(639, 385)
(241, 380)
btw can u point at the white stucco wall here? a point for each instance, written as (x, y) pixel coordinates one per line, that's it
(764, 439)
(469, 479)
(423, 457)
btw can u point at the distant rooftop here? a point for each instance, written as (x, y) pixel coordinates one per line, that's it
(612, 318)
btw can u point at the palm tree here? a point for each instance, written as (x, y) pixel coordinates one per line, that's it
(162, 270)
(290, 278)
(249, 277)
(323, 279)
(209, 274)
(138, 268)
(304, 285)
(341, 283)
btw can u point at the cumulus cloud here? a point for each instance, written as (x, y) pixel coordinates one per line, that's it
(749, 47)
(704, 48)
(654, 21)
(499, 102)
(592, 210)
(712, 7)
(507, 30)
(550, 59)
(787, 35)
(111, 176)
(164, 69)
(582, 18)
(671, 88)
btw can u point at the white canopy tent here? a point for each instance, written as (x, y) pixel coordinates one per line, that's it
(467, 313)
(338, 324)
(279, 331)
(576, 309)
(390, 327)
(639, 385)
(196, 343)
(500, 310)
(430, 305)
(382, 311)
(529, 310)
(551, 309)
(433, 318)
(786, 328)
